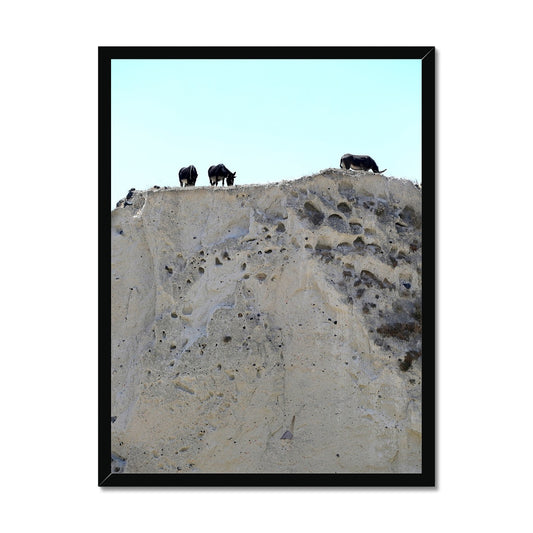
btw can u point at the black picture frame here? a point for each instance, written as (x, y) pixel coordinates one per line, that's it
(427, 55)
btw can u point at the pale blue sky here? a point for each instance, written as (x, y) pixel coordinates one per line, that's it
(268, 120)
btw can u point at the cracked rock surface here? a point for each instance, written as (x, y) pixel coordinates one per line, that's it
(268, 328)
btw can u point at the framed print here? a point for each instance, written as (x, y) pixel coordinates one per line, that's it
(267, 266)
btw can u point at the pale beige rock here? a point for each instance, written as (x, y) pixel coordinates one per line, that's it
(236, 310)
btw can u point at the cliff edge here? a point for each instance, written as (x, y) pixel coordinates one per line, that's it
(268, 328)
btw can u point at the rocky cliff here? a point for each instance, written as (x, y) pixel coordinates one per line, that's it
(268, 328)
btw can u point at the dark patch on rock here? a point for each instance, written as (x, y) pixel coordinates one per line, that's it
(409, 216)
(401, 228)
(345, 247)
(410, 356)
(117, 464)
(321, 247)
(392, 261)
(347, 191)
(373, 249)
(387, 284)
(359, 244)
(344, 207)
(370, 279)
(313, 214)
(337, 223)
(356, 228)
(400, 330)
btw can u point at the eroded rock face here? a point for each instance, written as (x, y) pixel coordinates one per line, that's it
(246, 314)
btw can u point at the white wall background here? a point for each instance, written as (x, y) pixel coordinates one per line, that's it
(49, 174)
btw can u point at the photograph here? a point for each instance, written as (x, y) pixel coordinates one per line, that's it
(264, 271)
(266, 266)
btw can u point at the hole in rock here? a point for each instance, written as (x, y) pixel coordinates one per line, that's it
(344, 207)
(315, 215)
